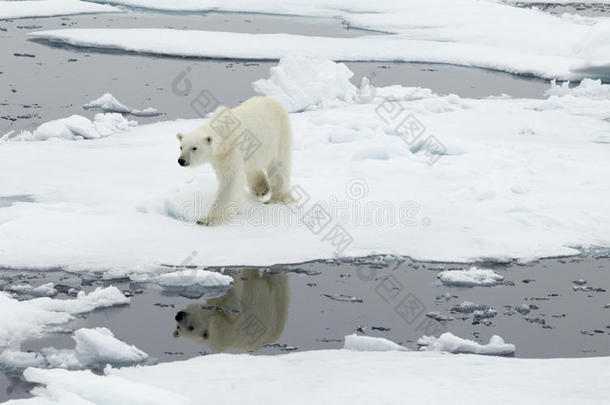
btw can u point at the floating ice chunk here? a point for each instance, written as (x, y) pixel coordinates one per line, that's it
(99, 298)
(75, 127)
(303, 82)
(95, 346)
(14, 359)
(470, 278)
(109, 104)
(343, 298)
(448, 342)
(20, 320)
(185, 278)
(587, 88)
(370, 344)
(468, 307)
(45, 290)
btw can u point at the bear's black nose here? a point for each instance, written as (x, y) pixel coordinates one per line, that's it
(181, 162)
(180, 316)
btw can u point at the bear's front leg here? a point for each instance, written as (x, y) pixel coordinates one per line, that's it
(230, 195)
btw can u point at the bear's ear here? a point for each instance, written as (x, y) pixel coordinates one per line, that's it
(176, 333)
(179, 136)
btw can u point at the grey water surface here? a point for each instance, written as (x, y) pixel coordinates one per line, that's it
(395, 298)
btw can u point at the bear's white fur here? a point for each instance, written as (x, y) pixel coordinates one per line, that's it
(250, 144)
(249, 315)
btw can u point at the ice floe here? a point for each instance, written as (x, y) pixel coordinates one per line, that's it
(485, 34)
(49, 8)
(20, 320)
(448, 342)
(94, 347)
(109, 104)
(370, 344)
(337, 376)
(486, 192)
(190, 277)
(471, 277)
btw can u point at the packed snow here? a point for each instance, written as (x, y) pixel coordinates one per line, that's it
(497, 158)
(471, 277)
(300, 82)
(485, 34)
(49, 8)
(448, 342)
(20, 320)
(109, 104)
(75, 127)
(370, 344)
(331, 376)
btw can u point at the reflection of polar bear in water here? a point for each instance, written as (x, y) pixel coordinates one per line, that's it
(251, 314)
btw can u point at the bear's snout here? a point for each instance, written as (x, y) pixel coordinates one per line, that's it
(180, 316)
(182, 162)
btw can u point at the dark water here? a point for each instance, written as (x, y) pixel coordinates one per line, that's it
(390, 299)
(46, 81)
(575, 7)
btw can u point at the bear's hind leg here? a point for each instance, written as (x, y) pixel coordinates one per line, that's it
(258, 183)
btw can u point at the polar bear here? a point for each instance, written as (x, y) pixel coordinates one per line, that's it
(251, 314)
(251, 144)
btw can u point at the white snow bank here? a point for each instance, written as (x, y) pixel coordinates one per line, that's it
(587, 88)
(49, 8)
(334, 377)
(470, 278)
(75, 127)
(370, 344)
(109, 104)
(497, 178)
(94, 347)
(300, 82)
(21, 320)
(447, 342)
(184, 278)
(15, 359)
(486, 34)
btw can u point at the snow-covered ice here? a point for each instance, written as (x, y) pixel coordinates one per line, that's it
(109, 104)
(370, 344)
(189, 277)
(332, 376)
(448, 342)
(75, 127)
(49, 8)
(94, 347)
(492, 191)
(485, 34)
(20, 320)
(45, 290)
(471, 277)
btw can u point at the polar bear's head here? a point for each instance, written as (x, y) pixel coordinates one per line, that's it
(205, 143)
(211, 326)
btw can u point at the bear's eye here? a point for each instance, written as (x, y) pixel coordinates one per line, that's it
(191, 328)
(181, 148)
(194, 148)
(205, 334)
(208, 139)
